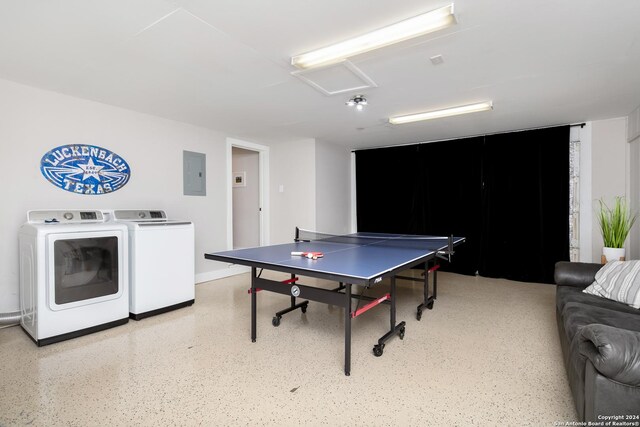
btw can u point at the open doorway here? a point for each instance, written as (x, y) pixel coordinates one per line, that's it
(247, 199)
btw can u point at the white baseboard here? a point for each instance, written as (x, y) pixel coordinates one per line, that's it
(221, 273)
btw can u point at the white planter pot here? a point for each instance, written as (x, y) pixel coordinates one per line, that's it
(612, 254)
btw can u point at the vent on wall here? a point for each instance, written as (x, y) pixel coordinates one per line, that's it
(336, 78)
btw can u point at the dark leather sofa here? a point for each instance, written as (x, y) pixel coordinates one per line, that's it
(600, 341)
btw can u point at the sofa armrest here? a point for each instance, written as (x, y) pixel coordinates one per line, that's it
(578, 274)
(614, 352)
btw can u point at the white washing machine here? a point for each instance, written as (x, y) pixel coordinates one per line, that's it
(161, 261)
(73, 274)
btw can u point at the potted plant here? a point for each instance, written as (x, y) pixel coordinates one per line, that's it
(615, 224)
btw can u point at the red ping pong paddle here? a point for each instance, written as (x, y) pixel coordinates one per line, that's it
(310, 255)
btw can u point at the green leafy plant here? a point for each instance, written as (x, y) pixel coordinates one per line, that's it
(616, 222)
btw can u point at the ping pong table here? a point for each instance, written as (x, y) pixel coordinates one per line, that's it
(355, 259)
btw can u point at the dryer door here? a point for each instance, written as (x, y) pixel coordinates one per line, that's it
(83, 268)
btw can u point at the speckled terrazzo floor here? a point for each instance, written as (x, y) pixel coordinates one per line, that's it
(488, 354)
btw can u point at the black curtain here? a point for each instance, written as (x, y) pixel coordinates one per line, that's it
(507, 194)
(424, 189)
(525, 204)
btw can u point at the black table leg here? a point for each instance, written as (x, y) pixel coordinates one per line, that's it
(393, 303)
(294, 306)
(426, 282)
(398, 329)
(435, 284)
(347, 329)
(253, 304)
(428, 299)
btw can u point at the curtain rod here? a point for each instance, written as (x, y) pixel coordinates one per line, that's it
(581, 125)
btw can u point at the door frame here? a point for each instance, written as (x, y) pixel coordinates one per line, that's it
(263, 170)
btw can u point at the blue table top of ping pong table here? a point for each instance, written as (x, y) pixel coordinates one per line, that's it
(357, 258)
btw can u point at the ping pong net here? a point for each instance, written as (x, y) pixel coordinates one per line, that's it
(443, 244)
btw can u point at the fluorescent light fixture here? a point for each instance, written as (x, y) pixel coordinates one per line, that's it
(436, 114)
(395, 33)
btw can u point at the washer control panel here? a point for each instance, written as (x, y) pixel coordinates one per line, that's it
(138, 215)
(64, 217)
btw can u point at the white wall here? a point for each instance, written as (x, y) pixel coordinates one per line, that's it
(633, 136)
(33, 121)
(246, 200)
(609, 169)
(333, 188)
(633, 243)
(314, 175)
(292, 170)
(633, 125)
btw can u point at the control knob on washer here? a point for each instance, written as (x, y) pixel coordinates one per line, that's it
(68, 216)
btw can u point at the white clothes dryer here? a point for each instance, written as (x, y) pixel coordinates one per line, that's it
(73, 274)
(161, 260)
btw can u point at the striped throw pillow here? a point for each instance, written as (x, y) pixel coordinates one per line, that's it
(618, 281)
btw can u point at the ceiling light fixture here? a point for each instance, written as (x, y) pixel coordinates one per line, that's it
(436, 114)
(358, 101)
(404, 30)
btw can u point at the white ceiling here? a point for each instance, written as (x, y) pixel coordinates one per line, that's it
(224, 64)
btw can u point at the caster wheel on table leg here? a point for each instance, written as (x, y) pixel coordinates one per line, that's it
(275, 321)
(401, 333)
(303, 308)
(377, 350)
(419, 314)
(430, 305)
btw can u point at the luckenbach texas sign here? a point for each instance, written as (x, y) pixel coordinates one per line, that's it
(85, 169)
